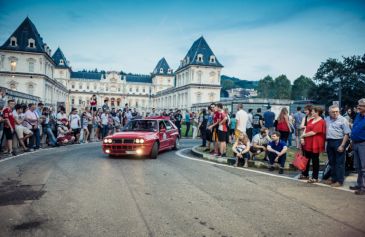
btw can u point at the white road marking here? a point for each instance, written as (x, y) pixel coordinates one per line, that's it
(179, 153)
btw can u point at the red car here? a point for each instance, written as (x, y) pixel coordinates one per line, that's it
(143, 137)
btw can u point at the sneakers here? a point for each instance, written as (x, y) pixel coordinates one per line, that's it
(336, 185)
(245, 165)
(355, 187)
(360, 192)
(281, 171)
(271, 168)
(328, 181)
(224, 155)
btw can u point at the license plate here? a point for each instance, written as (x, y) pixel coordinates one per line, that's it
(131, 152)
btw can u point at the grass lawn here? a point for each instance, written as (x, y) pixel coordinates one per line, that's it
(289, 158)
(183, 130)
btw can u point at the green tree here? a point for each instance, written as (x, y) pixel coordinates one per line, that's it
(282, 87)
(265, 87)
(347, 71)
(301, 88)
(228, 84)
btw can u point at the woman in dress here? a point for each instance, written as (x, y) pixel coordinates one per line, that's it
(313, 142)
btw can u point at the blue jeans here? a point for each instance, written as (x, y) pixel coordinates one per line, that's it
(359, 155)
(104, 131)
(336, 160)
(36, 137)
(47, 130)
(187, 129)
(281, 160)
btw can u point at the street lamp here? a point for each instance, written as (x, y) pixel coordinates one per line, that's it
(338, 80)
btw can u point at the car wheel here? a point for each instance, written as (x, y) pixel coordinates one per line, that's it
(177, 144)
(154, 151)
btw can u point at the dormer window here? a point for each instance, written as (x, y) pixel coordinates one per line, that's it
(169, 71)
(31, 43)
(161, 70)
(199, 58)
(61, 62)
(212, 59)
(13, 42)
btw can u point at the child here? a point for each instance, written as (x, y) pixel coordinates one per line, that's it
(241, 148)
(277, 152)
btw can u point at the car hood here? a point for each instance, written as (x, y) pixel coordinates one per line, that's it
(144, 135)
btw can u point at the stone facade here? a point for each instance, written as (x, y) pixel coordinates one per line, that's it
(26, 65)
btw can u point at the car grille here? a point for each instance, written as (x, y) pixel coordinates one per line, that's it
(123, 141)
(123, 149)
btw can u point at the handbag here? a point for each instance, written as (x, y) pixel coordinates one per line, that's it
(300, 161)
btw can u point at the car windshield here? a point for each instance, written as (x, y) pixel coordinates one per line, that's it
(141, 125)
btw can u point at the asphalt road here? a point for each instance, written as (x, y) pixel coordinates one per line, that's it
(78, 191)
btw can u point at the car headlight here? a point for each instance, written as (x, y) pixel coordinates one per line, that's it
(139, 141)
(108, 141)
(105, 140)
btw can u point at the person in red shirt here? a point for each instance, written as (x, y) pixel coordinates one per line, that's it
(93, 104)
(214, 128)
(313, 142)
(222, 131)
(9, 125)
(283, 125)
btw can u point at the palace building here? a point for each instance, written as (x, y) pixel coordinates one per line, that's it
(27, 65)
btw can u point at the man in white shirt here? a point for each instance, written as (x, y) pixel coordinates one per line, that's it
(260, 142)
(31, 121)
(75, 124)
(241, 117)
(61, 115)
(19, 128)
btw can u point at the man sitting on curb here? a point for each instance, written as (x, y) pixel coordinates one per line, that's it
(277, 152)
(260, 142)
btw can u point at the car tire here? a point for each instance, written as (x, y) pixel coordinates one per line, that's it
(177, 144)
(154, 151)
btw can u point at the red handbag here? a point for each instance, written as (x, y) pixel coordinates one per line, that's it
(300, 161)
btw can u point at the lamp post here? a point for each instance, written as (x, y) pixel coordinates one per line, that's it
(338, 80)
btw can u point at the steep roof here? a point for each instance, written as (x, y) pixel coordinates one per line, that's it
(162, 68)
(60, 59)
(25, 31)
(86, 75)
(199, 48)
(138, 78)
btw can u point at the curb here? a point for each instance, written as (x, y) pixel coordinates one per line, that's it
(229, 161)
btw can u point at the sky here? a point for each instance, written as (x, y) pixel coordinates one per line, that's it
(251, 39)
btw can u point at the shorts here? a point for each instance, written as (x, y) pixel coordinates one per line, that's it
(208, 135)
(222, 136)
(75, 131)
(8, 133)
(298, 132)
(93, 108)
(231, 131)
(21, 130)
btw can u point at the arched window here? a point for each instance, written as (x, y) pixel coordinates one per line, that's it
(31, 66)
(31, 43)
(161, 70)
(13, 66)
(13, 42)
(31, 89)
(199, 58)
(61, 62)
(169, 71)
(212, 59)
